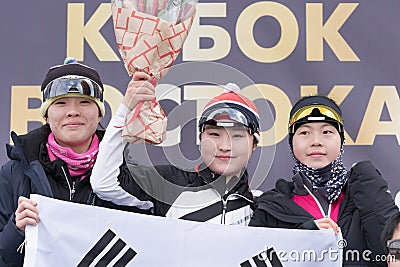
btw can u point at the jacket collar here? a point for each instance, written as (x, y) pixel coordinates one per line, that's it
(299, 182)
(278, 202)
(235, 185)
(27, 146)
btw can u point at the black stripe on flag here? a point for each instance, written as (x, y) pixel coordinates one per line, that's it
(127, 257)
(111, 254)
(273, 258)
(97, 249)
(261, 260)
(209, 212)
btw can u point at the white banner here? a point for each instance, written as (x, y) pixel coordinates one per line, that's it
(70, 234)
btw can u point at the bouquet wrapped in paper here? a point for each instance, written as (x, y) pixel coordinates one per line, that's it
(150, 34)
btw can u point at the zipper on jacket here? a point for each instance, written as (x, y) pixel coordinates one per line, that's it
(224, 208)
(225, 204)
(69, 185)
(21, 247)
(73, 189)
(319, 205)
(93, 200)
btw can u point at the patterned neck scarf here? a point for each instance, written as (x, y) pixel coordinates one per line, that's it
(328, 180)
(78, 164)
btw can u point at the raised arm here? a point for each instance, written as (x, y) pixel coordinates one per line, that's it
(106, 175)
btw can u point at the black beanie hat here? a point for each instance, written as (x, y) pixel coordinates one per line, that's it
(71, 67)
(310, 101)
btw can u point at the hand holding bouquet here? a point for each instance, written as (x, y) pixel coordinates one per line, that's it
(150, 35)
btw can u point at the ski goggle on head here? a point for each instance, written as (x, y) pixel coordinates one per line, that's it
(315, 113)
(393, 247)
(72, 84)
(227, 117)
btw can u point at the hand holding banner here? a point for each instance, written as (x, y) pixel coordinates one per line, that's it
(83, 235)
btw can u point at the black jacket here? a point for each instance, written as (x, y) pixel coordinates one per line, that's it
(362, 214)
(196, 195)
(29, 171)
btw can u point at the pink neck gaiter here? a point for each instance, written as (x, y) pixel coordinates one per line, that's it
(78, 164)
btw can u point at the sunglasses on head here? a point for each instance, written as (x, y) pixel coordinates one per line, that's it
(393, 247)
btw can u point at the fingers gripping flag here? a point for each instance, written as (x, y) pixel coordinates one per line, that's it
(83, 235)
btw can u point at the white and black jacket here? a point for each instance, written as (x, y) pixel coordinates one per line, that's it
(196, 195)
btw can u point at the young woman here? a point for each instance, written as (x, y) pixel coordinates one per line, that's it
(323, 193)
(216, 191)
(391, 241)
(54, 160)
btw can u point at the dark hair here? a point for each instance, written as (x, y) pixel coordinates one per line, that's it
(388, 231)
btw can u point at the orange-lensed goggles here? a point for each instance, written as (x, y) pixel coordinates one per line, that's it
(305, 113)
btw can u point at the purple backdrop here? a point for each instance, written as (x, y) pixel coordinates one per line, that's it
(287, 45)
